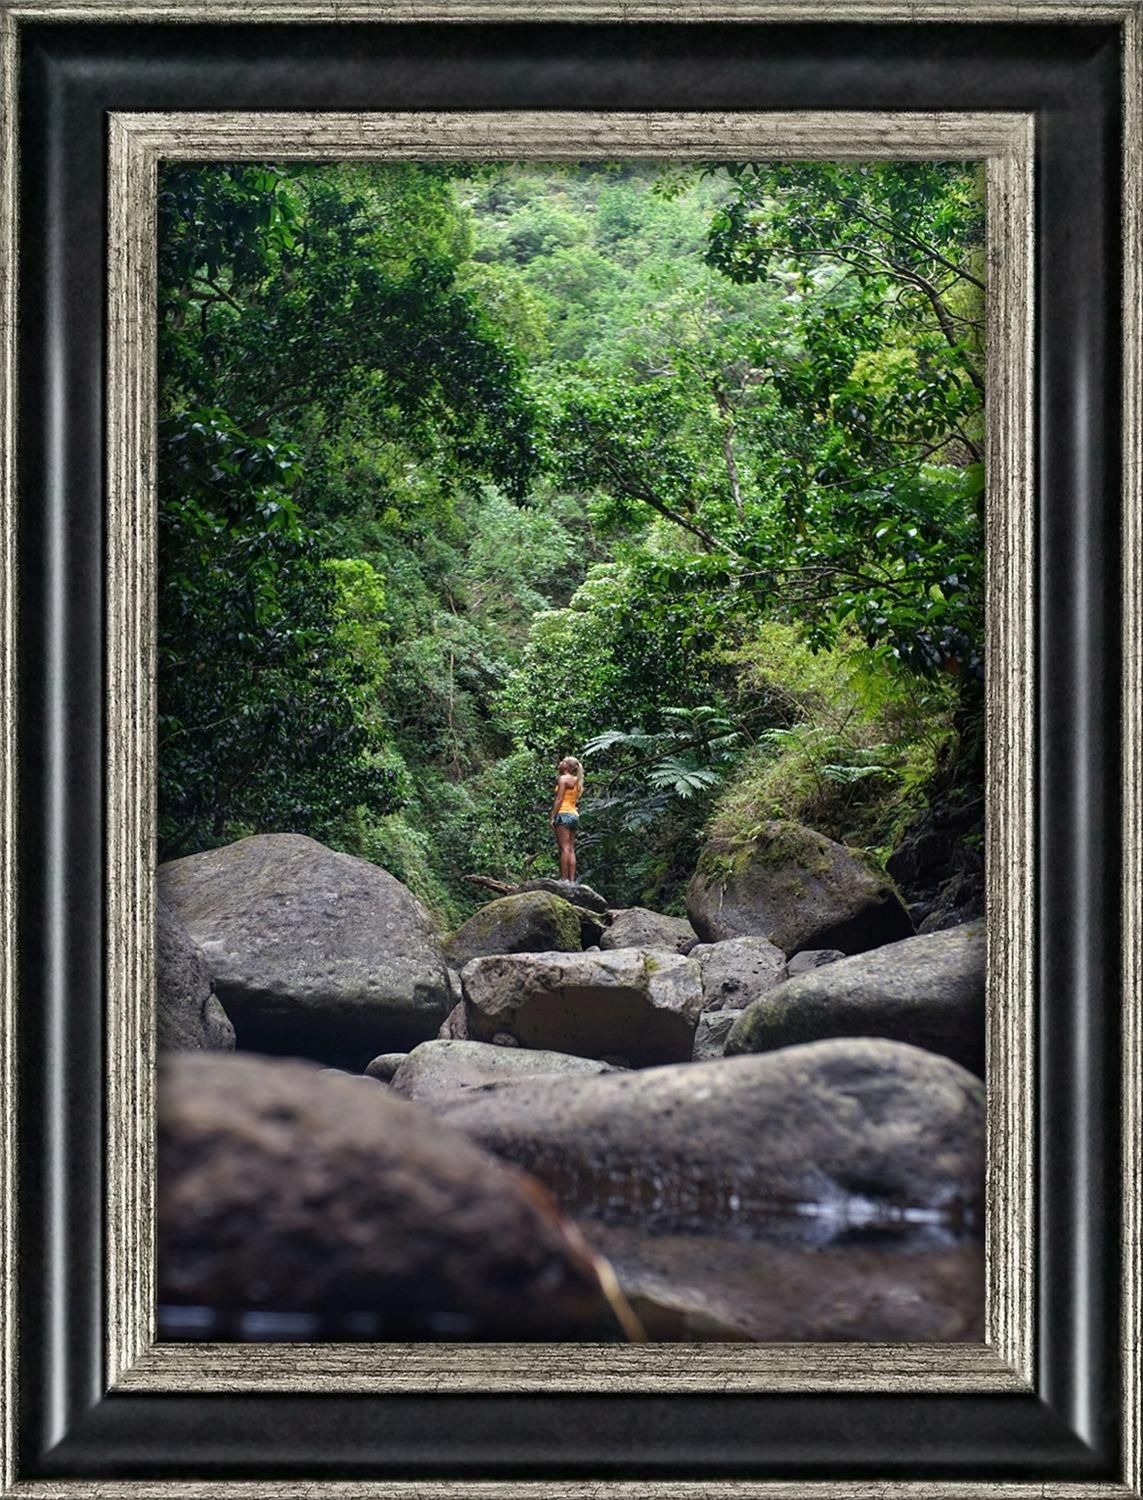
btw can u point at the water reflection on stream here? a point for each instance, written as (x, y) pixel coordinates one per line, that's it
(798, 1277)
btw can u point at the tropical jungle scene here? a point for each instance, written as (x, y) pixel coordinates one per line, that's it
(570, 908)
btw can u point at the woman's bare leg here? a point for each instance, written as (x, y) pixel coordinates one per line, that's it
(570, 854)
(563, 839)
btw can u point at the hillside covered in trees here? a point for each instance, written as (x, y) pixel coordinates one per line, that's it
(464, 470)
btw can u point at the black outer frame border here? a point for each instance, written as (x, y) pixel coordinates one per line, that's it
(1069, 76)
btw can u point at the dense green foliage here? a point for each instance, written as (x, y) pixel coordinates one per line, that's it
(464, 472)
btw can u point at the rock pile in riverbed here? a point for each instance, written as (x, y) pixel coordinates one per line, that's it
(557, 1040)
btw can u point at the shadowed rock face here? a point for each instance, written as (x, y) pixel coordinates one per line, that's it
(877, 1124)
(636, 927)
(440, 1068)
(711, 1034)
(311, 952)
(797, 888)
(530, 922)
(190, 1016)
(630, 1003)
(284, 1187)
(926, 990)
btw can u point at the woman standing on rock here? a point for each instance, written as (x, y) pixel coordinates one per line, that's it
(565, 818)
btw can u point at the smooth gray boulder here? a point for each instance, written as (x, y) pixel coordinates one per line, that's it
(285, 1188)
(858, 1126)
(189, 1015)
(632, 1003)
(737, 971)
(636, 927)
(529, 922)
(437, 1068)
(711, 1033)
(797, 888)
(312, 953)
(815, 958)
(925, 990)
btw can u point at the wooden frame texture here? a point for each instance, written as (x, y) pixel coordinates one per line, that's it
(1006, 1363)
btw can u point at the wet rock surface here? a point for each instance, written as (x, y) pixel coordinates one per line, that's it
(312, 953)
(440, 1068)
(636, 927)
(640, 1005)
(288, 1189)
(530, 922)
(189, 1014)
(927, 990)
(868, 1125)
(909, 1284)
(797, 888)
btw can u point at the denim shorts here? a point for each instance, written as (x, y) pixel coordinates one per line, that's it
(569, 820)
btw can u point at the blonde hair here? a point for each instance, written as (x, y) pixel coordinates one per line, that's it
(576, 769)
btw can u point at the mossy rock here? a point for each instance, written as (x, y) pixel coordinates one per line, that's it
(797, 888)
(528, 922)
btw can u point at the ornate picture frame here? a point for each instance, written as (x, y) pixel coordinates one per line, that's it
(1017, 1380)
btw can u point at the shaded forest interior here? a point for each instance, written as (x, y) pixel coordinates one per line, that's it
(465, 469)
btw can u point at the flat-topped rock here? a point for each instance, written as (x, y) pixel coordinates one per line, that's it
(438, 1068)
(630, 1002)
(636, 927)
(570, 890)
(529, 922)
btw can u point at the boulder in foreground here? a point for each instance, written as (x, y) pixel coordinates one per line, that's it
(312, 952)
(284, 1188)
(797, 888)
(871, 1126)
(927, 990)
(629, 1003)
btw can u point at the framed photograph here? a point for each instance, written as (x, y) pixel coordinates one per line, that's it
(418, 427)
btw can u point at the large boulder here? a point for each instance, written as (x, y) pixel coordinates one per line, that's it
(797, 888)
(312, 952)
(190, 1016)
(284, 1188)
(737, 971)
(866, 1125)
(636, 927)
(439, 1068)
(530, 922)
(926, 990)
(639, 1005)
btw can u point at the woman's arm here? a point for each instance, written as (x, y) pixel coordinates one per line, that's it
(559, 797)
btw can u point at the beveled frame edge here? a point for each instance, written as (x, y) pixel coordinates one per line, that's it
(137, 143)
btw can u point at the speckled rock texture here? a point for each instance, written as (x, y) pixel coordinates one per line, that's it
(867, 1125)
(530, 922)
(438, 1068)
(797, 888)
(636, 927)
(711, 1033)
(190, 1016)
(737, 971)
(312, 953)
(285, 1188)
(927, 990)
(640, 1005)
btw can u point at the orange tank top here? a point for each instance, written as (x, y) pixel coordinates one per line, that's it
(569, 799)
